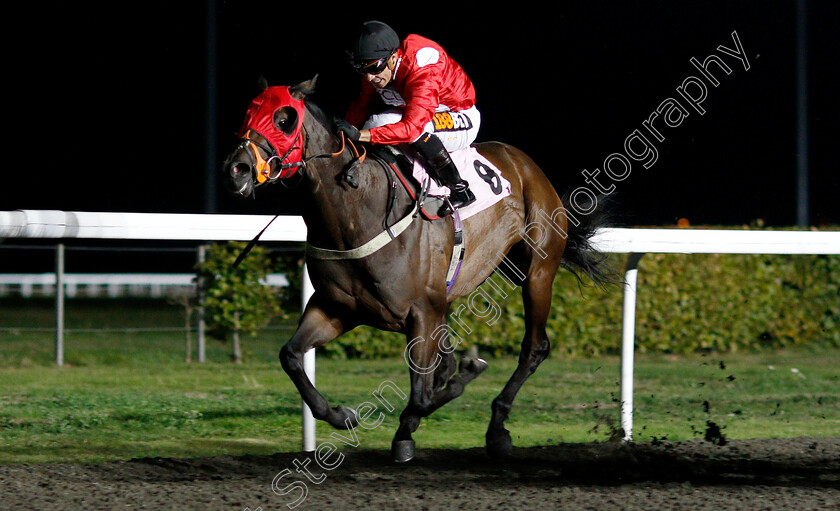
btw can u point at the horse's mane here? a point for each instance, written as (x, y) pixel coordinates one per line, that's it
(307, 89)
(326, 120)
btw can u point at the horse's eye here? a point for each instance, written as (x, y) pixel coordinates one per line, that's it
(285, 119)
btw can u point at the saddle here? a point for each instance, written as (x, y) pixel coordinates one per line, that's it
(486, 182)
(402, 166)
(427, 205)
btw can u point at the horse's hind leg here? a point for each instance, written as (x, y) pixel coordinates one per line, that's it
(316, 328)
(536, 295)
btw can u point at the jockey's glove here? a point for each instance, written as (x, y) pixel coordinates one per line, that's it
(350, 131)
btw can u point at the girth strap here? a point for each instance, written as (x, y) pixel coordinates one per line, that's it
(372, 246)
(458, 250)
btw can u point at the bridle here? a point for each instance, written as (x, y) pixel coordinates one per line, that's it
(262, 167)
(390, 232)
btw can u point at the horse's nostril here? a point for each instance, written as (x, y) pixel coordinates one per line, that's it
(239, 168)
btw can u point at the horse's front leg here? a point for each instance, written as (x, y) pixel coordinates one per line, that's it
(431, 365)
(317, 326)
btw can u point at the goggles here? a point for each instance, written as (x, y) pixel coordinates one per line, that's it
(373, 67)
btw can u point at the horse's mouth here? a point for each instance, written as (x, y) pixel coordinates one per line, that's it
(244, 190)
(240, 179)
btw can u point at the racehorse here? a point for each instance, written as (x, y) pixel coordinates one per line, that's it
(400, 284)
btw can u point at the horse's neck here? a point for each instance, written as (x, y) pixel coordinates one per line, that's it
(338, 216)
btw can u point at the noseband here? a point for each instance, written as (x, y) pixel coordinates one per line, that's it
(262, 166)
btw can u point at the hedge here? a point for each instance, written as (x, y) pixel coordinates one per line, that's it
(685, 304)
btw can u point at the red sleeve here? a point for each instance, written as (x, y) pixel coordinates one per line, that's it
(361, 108)
(421, 94)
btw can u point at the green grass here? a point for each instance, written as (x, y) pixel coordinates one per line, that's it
(92, 335)
(129, 395)
(123, 411)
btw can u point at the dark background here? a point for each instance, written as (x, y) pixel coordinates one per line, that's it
(107, 109)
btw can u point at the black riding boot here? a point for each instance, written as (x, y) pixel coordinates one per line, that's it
(440, 166)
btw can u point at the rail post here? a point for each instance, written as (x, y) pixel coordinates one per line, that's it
(201, 331)
(308, 420)
(59, 304)
(628, 337)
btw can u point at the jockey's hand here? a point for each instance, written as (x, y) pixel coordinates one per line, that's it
(350, 131)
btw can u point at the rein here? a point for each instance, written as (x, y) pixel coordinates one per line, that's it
(380, 240)
(368, 248)
(262, 167)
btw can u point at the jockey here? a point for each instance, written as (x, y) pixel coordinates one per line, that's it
(427, 98)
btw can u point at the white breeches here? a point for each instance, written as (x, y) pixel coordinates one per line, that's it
(456, 130)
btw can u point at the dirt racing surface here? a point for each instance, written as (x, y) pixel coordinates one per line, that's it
(801, 474)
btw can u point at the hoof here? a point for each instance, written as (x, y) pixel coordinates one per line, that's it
(402, 450)
(471, 367)
(500, 446)
(344, 418)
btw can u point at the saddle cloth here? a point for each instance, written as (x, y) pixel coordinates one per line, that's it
(486, 181)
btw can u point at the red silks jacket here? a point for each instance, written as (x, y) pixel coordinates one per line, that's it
(425, 78)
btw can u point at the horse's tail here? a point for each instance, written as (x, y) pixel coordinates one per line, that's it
(580, 257)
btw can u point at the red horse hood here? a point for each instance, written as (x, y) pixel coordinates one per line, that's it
(260, 119)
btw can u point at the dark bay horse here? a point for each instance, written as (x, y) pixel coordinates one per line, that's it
(401, 286)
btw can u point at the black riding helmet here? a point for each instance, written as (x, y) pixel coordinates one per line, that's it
(375, 40)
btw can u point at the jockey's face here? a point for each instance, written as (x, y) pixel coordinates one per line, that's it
(384, 77)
